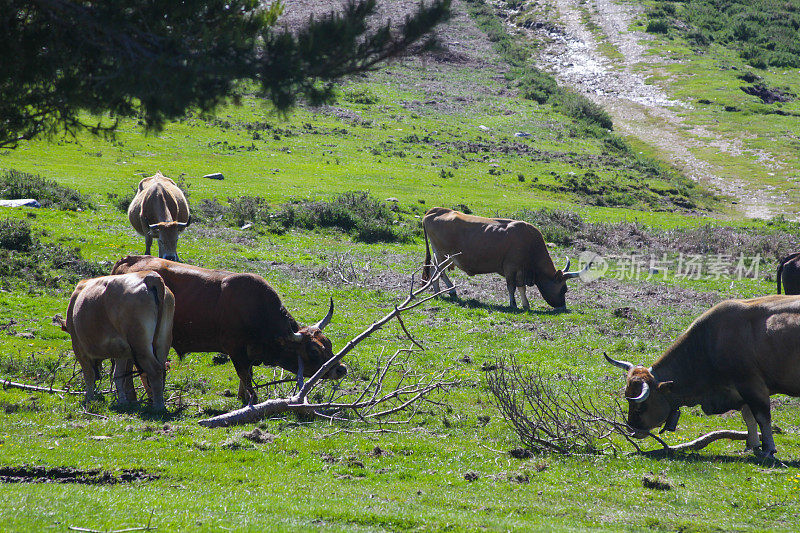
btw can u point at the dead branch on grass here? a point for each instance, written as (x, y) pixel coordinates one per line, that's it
(551, 418)
(14, 385)
(566, 420)
(697, 444)
(407, 392)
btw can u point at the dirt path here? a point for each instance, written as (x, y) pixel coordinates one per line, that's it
(573, 53)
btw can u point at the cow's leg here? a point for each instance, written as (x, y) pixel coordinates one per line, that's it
(123, 380)
(449, 284)
(523, 296)
(148, 243)
(442, 276)
(759, 407)
(247, 394)
(146, 361)
(89, 376)
(155, 373)
(752, 428)
(120, 368)
(511, 284)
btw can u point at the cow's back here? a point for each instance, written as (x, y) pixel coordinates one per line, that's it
(755, 341)
(106, 313)
(488, 245)
(158, 199)
(215, 309)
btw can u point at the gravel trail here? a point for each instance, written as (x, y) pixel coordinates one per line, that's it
(573, 54)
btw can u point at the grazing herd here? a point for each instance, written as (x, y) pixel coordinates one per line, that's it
(734, 356)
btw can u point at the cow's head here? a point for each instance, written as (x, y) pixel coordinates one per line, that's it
(167, 235)
(308, 349)
(554, 289)
(649, 401)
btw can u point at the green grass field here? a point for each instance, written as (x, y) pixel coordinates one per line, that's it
(419, 141)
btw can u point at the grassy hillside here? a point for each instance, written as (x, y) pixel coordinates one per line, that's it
(439, 130)
(737, 63)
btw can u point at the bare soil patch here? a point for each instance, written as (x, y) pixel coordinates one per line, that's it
(59, 474)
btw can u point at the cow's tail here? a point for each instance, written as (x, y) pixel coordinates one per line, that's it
(426, 269)
(780, 271)
(59, 321)
(155, 286)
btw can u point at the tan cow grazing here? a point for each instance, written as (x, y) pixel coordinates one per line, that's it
(127, 316)
(512, 248)
(160, 210)
(734, 356)
(241, 315)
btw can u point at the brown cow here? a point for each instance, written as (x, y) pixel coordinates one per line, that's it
(734, 356)
(789, 274)
(240, 315)
(512, 248)
(159, 210)
(122, 317)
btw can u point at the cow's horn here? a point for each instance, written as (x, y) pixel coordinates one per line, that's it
(325, 321)
(182, 224)
(566, 267)
(622, 364)
(576, 274)
(642, 395)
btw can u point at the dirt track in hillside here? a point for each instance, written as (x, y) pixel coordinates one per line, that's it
(639, 109)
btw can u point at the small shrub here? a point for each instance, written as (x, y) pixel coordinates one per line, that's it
(15, 235)
(122, 202)
(581, 108)
(246, 209)
(657, 26)
(15, 185)
(538, 86)
(360, 95)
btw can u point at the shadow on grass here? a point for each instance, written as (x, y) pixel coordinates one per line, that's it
(697, 457)
(146, 411)
(472, 303)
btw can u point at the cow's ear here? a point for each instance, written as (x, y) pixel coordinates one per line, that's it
(665, 386)
(559, 276)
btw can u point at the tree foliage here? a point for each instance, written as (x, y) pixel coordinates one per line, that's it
(156, 59)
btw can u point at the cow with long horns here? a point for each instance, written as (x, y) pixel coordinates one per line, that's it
(733, 357)
(239, 315)
(512, 248)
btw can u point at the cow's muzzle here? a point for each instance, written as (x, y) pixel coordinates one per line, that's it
(337, 372)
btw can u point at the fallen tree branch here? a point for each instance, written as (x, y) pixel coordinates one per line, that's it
(697, 444)
(404, 396)
(24, 386)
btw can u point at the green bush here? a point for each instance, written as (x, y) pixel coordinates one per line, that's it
(581, 108)
(657, 26)
(359, 214)
(15, 185)
(360, 95)
(538, 86)
(15, 235)
(43, 265)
